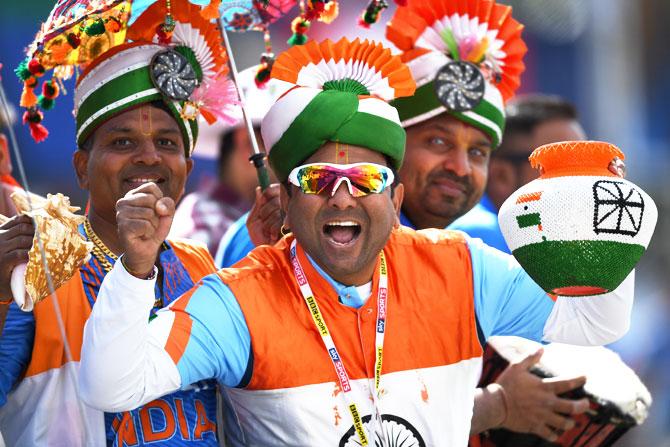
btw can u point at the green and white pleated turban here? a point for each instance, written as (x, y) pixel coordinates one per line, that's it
(340, 93)
(466, 58)
(187, 70)
(119, 81)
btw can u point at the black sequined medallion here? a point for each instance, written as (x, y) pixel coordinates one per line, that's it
(173, 75)
(459, 86)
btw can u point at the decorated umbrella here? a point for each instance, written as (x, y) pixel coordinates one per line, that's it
(75, 33)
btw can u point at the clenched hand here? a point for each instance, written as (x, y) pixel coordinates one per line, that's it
(143, 218)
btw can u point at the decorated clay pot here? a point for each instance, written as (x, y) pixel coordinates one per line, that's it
(579, 229)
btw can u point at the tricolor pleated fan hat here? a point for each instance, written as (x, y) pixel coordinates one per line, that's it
(466, 57)
(174, 56)
(340, 93)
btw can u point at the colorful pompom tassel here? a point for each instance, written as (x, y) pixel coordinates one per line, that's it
(330, 12)
(50, 91)
(164, 30)
(264, 70)
(113, 25)
(372, 13)
(35, 68)
(33, 118)
(73, 40)
(28, 98)
(96, 28)
(299, 26)
(22, 70)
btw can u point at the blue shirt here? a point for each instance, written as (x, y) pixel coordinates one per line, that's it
(196, 404)
(482, 222)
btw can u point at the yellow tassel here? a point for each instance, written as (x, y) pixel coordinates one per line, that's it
(59, 52)
(477, 53)
(28, 98)
(330, 13)
(211, 11)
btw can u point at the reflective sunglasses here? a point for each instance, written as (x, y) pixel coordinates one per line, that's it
(361, 178)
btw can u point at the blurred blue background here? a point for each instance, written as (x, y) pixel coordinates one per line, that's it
(609, 57)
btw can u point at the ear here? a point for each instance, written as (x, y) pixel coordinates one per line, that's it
(5, 161)
(80, 163)
(190, 163)
(398, 195)
(283, 201)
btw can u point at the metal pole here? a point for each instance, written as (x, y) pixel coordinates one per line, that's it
(257, 157)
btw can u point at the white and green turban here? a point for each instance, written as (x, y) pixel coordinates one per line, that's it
(120, 80)
(340, 94)
(466, 58)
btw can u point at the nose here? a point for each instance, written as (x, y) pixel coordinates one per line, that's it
(147, 153)
(340, 198)
(458, 162)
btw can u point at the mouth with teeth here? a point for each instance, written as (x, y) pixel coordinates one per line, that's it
(342, 233)
(139, 180)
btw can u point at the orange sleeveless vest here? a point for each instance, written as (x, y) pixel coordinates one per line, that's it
(431, 336)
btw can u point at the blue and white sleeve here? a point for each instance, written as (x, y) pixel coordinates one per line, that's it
(16, 346)
(127, 361)
(509, 302)
(235, 244)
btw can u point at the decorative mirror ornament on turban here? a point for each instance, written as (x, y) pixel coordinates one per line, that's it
(173, 75)
(459, 86)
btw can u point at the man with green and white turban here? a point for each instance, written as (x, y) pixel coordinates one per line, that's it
(136, 109)
(350, 330)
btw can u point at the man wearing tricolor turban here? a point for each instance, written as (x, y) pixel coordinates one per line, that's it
(467, 60)
(350, 330)
(136, 109)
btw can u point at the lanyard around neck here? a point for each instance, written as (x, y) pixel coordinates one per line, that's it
(322, 328)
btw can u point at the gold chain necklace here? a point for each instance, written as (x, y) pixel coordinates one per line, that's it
(100, 250)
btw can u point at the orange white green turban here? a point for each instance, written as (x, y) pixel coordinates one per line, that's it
(340, 93)
(187, 71)
(466, 57)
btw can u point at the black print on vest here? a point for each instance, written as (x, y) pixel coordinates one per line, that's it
(619, 208)
(396, 431)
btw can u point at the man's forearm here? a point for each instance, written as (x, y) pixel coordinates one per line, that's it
(593, 320)
(490, 409)
(122, 366)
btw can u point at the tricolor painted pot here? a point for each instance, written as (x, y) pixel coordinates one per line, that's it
(579, 229)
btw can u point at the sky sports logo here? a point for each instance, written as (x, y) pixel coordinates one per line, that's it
(383, 293)
(299, 274)
(334, 355)
(342, 375)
